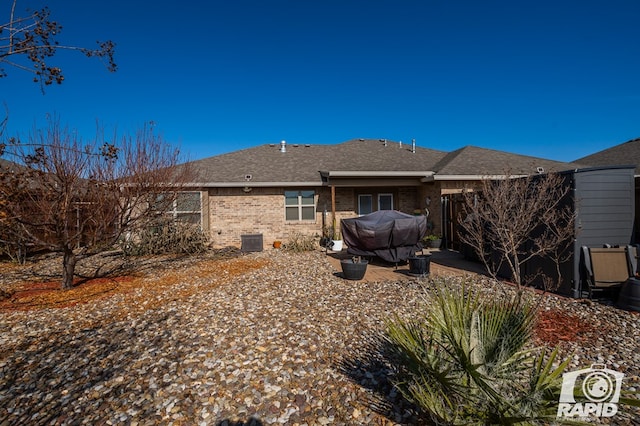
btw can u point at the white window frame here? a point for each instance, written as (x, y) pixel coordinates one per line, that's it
(299, 205)
(390, 195)
(175, 213)
(360, 197)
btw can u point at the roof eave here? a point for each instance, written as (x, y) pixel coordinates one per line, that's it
(250, 184)
(377, 173)
(471, 177)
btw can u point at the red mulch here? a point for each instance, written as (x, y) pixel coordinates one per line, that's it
(30, 295)
(46, 295)
(555, 326)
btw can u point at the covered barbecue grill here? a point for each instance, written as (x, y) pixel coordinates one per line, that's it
(391, 235)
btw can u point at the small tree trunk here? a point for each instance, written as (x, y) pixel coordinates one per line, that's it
(68, 268)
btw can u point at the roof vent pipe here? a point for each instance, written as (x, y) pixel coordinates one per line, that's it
(283, 146)
(413, 146)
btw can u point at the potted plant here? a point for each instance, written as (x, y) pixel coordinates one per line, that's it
(336, 241)
(354, 268)
(432, 240)
(419, 265)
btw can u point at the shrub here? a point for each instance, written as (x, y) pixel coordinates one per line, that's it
(469, 361)
(166, 238)
(299, 242)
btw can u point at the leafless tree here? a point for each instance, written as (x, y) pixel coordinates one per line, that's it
(27, 42)
(60, 194)
(509, 222)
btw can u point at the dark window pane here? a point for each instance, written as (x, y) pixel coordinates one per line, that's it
(307, 197)
(193, 218)
(291, 213)
(386, 202)
(291, 198)
(308, 213)
(188, 201)
(365, 204)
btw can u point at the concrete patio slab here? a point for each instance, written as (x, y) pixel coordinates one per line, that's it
(442, 262)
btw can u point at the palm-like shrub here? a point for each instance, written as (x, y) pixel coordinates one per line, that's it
(469, 361)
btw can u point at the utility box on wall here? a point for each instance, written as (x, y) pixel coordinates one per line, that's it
(251, 242)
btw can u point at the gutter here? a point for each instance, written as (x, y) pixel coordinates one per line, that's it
(372, 173)
(435, 177)
(251, 184)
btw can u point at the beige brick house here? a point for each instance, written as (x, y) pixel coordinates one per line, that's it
(277, 189)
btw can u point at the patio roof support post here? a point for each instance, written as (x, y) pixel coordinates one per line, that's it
(333, 211)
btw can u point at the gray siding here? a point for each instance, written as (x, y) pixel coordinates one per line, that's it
(605, 211)
(605, 200)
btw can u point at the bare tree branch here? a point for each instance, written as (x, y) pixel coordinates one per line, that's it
(510, 222)
(32, 38)
(77, 198)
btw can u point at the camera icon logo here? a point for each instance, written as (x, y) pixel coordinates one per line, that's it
(590, 391)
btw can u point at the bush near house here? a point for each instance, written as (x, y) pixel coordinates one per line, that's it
(167, 237)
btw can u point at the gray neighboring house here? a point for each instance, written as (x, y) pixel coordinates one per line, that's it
(624, 154)
(278, 189)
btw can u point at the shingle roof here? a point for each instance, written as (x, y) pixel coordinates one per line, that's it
(304, 162)
(475, 161)
(625, 154)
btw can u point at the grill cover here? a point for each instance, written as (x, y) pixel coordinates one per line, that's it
(391, 235)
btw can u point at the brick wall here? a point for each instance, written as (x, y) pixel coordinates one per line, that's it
(233, 213)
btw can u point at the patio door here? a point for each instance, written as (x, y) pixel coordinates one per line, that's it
(385, 201)
(365, 204)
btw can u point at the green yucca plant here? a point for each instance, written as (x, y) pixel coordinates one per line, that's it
(469, 360)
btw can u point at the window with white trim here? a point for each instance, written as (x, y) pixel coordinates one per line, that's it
(186, 207)
(300, 205)
(385, 201)
(365, 204)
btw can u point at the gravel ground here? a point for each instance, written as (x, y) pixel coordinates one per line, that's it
(266, 338)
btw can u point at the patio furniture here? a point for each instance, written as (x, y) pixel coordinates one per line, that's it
(606, 267)
(629, 297)
(388, 234)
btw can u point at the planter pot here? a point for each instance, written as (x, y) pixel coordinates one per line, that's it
(325, 242)
(353, 271)
(277, 244)
(420, 265)
(435, 243)
(336, 245)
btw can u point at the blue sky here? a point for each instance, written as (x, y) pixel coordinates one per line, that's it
(554, 79)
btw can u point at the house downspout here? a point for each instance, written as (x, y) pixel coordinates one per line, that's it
(333, 211)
